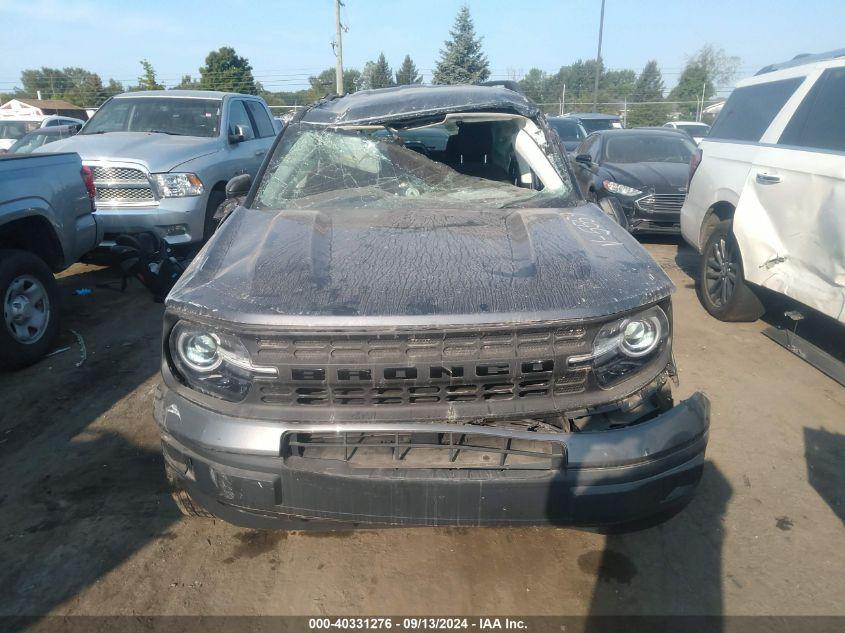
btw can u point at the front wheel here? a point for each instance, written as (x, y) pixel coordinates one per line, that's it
(722, 287)
(30, 308)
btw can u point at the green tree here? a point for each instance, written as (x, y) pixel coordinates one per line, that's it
(535, 84)
(703, 72)
(187, 83)
(649, 91)
(226, 70)
(462, 60)
(148, 81)
(324, 83)
(376, 74)
(76, 85)
(407, 73)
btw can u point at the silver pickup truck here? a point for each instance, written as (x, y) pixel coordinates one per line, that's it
(161, 158)
(46, 224)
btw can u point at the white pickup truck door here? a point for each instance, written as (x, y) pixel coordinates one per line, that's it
(790, 220)
(246, 156)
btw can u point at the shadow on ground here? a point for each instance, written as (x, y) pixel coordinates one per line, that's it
(825, 455)
(674, 568)
(80, 490)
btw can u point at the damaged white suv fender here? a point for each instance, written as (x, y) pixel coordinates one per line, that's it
(766, 202)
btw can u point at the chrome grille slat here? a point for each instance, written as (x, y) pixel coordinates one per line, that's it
(118, 185)
(662, 202)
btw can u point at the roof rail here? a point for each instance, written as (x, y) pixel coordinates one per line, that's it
(800, 60)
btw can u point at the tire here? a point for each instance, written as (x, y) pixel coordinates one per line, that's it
(183, 499)
(31, 309)
(215, 199)
(722, 288)
(611, 209)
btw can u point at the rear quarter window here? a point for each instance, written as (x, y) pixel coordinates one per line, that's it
(819, 122)
(749, 111)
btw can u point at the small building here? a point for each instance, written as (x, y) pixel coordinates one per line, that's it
(35, 108)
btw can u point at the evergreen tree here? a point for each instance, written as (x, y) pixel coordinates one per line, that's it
(407, 73)
(461, 60)
(148, 81)
(648, 90)
(377, 74)
(225, 70)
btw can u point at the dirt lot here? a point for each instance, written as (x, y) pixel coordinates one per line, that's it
(88, 526)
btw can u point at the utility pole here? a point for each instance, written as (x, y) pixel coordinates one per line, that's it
(598, 61)
(338, 48)
(701, 109)
(562, 99)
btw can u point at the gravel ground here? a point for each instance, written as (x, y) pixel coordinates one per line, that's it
(88, 526)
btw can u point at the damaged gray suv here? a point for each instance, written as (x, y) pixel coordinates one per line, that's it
(414, 318)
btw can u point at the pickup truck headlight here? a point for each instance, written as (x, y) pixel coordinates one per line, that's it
(623, 347)
(622, 190)
(177, 185)
(213, 362)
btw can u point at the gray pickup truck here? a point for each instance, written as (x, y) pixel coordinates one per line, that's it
(46, 224)
(161, 158)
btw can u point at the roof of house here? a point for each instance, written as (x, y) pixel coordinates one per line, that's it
(47, 104)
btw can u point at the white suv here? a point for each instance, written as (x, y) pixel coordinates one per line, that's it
(766, 201)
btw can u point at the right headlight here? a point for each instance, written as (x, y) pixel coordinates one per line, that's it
(623, 347)
(213, 362)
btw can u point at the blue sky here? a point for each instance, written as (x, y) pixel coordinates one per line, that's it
(286, 41)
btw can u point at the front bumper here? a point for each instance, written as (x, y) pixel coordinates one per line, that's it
(643, 221)
(175, 220)
(235, 468)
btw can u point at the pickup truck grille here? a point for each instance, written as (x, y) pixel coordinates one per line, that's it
(662, 202)
(118, 186)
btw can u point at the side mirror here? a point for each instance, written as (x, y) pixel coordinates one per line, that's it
(584, 159)
(238, 134)
(238, 186)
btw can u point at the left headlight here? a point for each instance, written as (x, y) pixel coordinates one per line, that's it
(622, 190)
(214, 362)
(623, 347)
(177, 185)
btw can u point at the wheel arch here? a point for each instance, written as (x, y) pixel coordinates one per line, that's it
(35, 234)
(718, 212)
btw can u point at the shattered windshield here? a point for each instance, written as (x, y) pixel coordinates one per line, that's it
(374, 167)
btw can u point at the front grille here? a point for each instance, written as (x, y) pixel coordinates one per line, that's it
(121, 175)
(571, 382)
(426, 449)
(662, 202)
(351, 349)
(430, 374)
(122, 185)
(118, 195)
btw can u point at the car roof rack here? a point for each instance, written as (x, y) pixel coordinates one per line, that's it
(800, 60)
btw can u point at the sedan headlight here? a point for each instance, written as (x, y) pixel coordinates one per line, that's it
(214, 362)
(623, 347)
(177, 185)
(622, 190)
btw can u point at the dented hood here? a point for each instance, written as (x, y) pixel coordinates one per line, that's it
(343, 268)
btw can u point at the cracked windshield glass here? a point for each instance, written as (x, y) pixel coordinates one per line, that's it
(387, 168)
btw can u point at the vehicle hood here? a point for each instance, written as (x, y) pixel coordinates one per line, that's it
(344, 267)
(156, 152)
(654, 177)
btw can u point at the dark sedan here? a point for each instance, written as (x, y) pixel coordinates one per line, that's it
(570, 131)
(637, 177)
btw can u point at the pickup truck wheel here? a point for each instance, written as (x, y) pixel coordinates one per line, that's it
(182, 498)
(722, 287)
(30, 299)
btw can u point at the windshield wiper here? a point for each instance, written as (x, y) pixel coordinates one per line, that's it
(164, 132)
